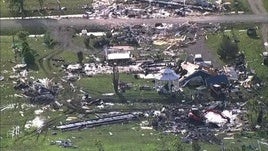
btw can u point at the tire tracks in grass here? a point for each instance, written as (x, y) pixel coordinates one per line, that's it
(48, 61)
(48, 57)
(41, 64)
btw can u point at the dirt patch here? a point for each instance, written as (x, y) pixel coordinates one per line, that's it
(200, 47)
(64, 38)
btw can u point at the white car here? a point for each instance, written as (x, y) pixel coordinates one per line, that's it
(198, 59)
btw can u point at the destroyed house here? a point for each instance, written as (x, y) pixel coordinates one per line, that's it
(197, 78)
(119, 54)
(219, 79)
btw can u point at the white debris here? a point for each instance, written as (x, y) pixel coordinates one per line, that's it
(266, 44)
(17, 95)
(9, 106)
(37, 112)
(100, 106)
(146, 127)
(19, 66)
(21, 113)
(215, 118)
(37, 122)
(108, 94)
(71, 118)
(2, 78)
(109, 104)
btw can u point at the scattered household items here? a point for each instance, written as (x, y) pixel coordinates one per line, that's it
(63, 143)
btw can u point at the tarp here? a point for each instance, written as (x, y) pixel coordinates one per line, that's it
(167, 75)
(219, 79)
(113, 56)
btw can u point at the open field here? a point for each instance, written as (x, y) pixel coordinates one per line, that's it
(265, 3)
(73, 7)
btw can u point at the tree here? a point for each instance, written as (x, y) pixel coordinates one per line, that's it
(227, 49)
(27, 54)
(115, 78)
(49, 42)
(251, 32)
(87, 41)
(80, 56)
(29, 58)
(22, 35)
(109, 34)
(99, 43)
(16, 7)
(41, 3)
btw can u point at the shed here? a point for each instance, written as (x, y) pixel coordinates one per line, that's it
(166, 79)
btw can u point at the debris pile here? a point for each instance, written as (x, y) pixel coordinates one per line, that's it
(41, 91)
(202, 122)
(151, 8)
(63, 143)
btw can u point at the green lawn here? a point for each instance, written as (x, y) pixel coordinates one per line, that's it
(243, 5)
(73, 7)
(265, 3)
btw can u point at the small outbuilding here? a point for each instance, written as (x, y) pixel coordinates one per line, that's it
(166, 80)
(119, 54)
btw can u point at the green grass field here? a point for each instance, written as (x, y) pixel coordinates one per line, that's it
(265, 3)
(73, 7)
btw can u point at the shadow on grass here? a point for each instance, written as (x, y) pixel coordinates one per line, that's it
(254, 36)
(121, 97)
(34, 67)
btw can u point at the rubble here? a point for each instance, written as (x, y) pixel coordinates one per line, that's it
(202, 122)
(63, 143)
(151, 9)
(37, 122)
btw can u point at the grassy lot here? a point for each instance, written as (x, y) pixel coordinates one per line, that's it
(243, 5)
(84, 139)
(252, 47)
(73, 7)
(265, 3)
(125, 137)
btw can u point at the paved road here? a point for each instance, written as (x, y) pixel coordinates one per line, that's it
(79, 22)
